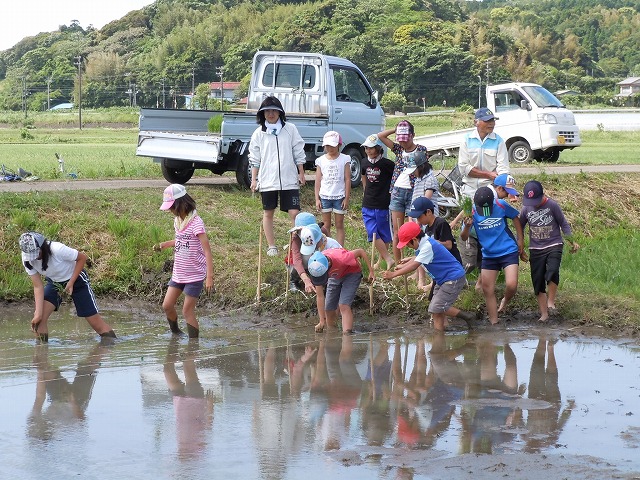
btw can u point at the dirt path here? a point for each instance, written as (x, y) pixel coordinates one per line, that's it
(60, 185)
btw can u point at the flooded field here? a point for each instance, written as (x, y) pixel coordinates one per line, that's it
(260, 399)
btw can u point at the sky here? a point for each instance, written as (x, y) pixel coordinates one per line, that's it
(27, 18)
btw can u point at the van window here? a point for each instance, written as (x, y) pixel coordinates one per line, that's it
(350, 86)
(287, 75)
(507, 100)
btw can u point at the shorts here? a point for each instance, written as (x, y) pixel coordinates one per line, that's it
(193, 289)
(377, 221)
(83, 297)
(334, 205)
(545, 267)
(341, 291)
(445, 295)
(500, 263)
(401, 200)
(289, 200)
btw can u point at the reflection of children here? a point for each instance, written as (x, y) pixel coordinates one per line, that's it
(193, 263)
(500, 251)
(63, 268)
(547, 225)
(333, 183)
(339, 269)
(376, 180)
(192, 405)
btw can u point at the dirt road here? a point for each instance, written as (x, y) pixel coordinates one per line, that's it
(59, 185)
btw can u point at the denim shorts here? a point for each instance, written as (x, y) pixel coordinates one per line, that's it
(335, 206)
(193, 289)
(401, 199)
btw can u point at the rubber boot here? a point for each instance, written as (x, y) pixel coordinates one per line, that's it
(108, 338)
(175, 329)
(193, 331)
(109, 334)
(468, 317)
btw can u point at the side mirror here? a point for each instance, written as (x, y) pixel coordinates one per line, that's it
(373, 101)
(525, 105)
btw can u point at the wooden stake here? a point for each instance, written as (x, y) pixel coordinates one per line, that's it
(289, 267)
(373, 382)
(259, 265)
(373, 251)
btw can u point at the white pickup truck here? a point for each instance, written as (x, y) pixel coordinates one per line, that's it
(532, 121)
(318, 92)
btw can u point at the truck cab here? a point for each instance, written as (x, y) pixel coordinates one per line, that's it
(532, 121)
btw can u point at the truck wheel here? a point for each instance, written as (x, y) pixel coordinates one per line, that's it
(176, 174)
(520, 152)
(550, 155)
(356, 172)
(243, 171)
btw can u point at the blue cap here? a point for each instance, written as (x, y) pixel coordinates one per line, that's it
(507, 182)
(485, 114)
(318, 267)
(420, 205)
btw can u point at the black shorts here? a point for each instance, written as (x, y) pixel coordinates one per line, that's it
(545, 267)
(289, 200)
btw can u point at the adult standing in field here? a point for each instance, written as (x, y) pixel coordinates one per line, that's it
(481, 158)
(405, 151)
(276, 157)
(376, 182)
(63, 269)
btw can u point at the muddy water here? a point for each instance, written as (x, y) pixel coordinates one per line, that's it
(252, 400)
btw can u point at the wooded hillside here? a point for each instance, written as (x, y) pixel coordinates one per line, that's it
(434, 50)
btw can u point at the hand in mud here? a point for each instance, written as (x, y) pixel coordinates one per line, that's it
(35, 323)
(157, 247)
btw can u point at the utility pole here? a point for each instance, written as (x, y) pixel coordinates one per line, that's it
(79, 63)
(49, 80)
(163, 94)
(193, 87)
(479, 91)
(24, 96)
(221, 72)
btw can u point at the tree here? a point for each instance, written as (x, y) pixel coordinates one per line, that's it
(392, 101)
(203, 96)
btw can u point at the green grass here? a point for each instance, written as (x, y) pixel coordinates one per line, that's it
(598, 284)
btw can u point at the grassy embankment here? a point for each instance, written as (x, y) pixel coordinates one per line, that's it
(117, 229)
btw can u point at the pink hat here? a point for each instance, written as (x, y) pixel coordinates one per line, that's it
(171, 193)
(331, 138)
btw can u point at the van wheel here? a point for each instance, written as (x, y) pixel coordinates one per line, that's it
(243, 171)
(356, 171)
(173, 174)
(520, 152)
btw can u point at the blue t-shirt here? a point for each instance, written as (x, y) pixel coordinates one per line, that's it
(493, 233)
(441, 265)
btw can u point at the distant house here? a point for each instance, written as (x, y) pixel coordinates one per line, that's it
(226, 88)
(561, 93)
(629, 86)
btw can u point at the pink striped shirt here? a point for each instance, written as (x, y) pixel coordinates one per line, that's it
(190, 264)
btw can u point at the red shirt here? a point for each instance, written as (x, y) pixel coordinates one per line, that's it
(343, 262)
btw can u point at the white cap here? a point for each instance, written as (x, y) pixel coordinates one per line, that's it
(331, 138)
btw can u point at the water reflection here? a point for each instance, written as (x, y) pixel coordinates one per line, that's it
(276, 405)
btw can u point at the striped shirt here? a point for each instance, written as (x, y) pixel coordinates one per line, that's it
(190, 264)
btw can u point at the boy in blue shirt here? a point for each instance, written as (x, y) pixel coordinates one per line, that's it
(447, 272)
(500, 250)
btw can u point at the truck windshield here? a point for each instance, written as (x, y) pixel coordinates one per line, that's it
(287, 75)
(350, 86)
(543, 97)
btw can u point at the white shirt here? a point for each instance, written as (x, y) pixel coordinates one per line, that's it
(333, 183)
(62, 262)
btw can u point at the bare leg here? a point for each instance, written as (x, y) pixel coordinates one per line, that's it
(267, 225)
(98, 324)
(542, 305)
(189, 313)
(332, 318)
(438, 321)
(326, 219)
(552, 289)
(489, 290)
(321, 313)
(397, 219)
(169, 307)
(383, 250)
(511, 286)
(293, 213)
(43, 327)
(340, 236)
(347, 318)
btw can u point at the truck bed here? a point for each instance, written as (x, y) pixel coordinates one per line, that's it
(447, 142)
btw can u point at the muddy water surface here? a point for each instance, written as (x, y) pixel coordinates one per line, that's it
(254, 400)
